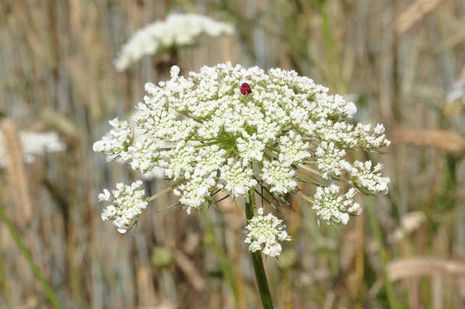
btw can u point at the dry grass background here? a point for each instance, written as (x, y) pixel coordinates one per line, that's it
(397, 59)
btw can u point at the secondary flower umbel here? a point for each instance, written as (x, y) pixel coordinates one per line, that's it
(125, 207)
(265, 232)
(176, 30)
(235, 129)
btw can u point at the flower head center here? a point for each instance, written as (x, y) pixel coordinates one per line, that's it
(227, 141)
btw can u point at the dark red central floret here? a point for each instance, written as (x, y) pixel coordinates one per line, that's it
(245, 89)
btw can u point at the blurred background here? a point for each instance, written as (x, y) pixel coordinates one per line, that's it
(403, 64)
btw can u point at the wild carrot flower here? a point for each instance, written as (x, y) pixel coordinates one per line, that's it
(236, 129)
(33, 144)
(176, 30)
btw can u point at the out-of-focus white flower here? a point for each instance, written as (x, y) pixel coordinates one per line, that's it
(175, 30)
(124, 205)
(33, 144)
(265, 232)
(332, 207)
(409, 222)
(457, 92)
(36, 143)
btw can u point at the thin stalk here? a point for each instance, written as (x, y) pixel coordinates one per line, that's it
(38, 274)
(164, 191)
(257, 261)
(382, 252)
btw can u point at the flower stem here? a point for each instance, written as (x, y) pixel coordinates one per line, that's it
(257, 261)
(38, 274)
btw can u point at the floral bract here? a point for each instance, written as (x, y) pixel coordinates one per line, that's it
(232, 128)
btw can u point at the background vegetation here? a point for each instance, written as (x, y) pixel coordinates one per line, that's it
(396, 59)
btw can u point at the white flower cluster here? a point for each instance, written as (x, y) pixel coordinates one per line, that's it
(330, 159)
(332, 207)
(175, 30)
(117, 142)
(368, 178)
(127, 204)
(265, 232)
(33, 144)
(233, 128)
(38, 143)
(237, 178)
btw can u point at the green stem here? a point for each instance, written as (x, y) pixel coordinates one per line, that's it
(38, 274)
(382, 252)
(257, 261)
